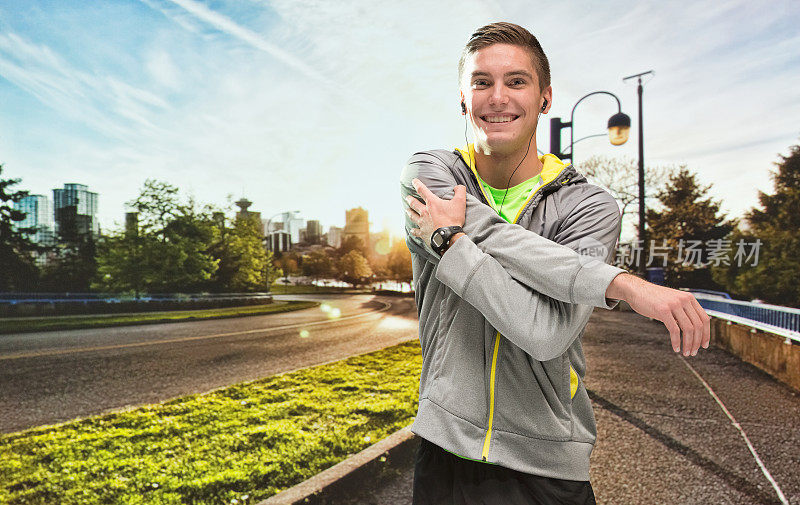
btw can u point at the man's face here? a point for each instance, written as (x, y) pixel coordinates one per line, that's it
(501, 91)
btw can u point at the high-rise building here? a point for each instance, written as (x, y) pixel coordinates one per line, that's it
(335, 236)
(287, 221)
(278, 241)
(75, 211)
(357, 225)
(295, 224)
(39, 217)
(313, 231)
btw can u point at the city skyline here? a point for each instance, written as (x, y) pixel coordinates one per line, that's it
(42, 215)
(274, 102)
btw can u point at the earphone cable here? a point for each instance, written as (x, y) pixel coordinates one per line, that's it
(472, 163)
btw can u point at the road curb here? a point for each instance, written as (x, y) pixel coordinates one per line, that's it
(377, 461)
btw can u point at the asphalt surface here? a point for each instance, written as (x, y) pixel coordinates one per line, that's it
(661, 436)
(662, 439)
(56, 376)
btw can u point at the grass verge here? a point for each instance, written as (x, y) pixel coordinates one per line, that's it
(234, 445)
(175, 316)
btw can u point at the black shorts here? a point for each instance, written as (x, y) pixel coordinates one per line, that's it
(444, 478)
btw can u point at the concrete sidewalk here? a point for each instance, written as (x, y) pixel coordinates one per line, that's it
(662, 438)
(378, 474)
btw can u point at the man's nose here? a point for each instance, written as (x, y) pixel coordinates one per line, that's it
(499, 95)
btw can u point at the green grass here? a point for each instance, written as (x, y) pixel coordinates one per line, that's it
(245, 443)
(175, 316)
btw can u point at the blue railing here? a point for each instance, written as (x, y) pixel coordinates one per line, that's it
(784, 321)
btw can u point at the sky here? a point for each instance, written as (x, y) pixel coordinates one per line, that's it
(316, 106)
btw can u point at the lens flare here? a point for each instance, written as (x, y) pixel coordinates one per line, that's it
(303, 333)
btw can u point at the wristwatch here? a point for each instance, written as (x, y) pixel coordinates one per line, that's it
(441, 238)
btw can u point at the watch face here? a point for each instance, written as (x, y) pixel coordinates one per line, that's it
(437, 240)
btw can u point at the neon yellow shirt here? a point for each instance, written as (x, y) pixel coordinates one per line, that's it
(517, 195)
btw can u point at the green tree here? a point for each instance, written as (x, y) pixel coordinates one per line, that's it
(683, 228)
(288, 265)
(246, 257)
(399, 262)
(17, 268)
(774, 278)
(317, 264)
(352, 243)
(172, 248)
(354, 268)
(119, 264)
(73, 266)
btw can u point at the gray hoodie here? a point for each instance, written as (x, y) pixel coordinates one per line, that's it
(501, 314)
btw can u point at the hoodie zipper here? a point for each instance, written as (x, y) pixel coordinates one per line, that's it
(488, 438)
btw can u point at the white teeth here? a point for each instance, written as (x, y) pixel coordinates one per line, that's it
(499, 119)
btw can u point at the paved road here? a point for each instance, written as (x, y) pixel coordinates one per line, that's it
(60, 375)
(662, 439)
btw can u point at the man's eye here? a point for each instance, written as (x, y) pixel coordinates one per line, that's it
(479, 83)
(517, 82)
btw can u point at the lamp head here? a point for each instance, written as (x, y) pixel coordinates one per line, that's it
(619, 126)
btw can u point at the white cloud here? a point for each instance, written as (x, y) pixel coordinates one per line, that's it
(316, 105)
(104, 103)
(163, 70)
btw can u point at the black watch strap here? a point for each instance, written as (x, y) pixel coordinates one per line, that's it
(440, 239)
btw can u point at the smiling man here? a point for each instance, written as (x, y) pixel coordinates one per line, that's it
(509, 254)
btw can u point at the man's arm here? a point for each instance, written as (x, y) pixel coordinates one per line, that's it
(679, 311)
(541, 326)
(549, 268)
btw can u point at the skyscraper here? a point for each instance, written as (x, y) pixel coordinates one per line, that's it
(75, 211)
(357, 225)
(313, 231)
(335, 236)
(39, 216)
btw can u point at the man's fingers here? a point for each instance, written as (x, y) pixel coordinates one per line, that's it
(685, 325)
(706, 319)
(414, 204)
(674, 332)
(697, 328)
(423, 190)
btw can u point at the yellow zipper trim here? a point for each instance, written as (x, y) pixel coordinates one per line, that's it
(468, 156)
(573, 382)
(488, 438)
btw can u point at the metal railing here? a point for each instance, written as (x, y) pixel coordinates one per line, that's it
(783, 321)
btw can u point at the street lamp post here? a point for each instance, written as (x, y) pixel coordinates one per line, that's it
(642, 230)
(618, 127)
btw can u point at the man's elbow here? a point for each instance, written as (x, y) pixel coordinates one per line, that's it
(545, 342)
(543, 347)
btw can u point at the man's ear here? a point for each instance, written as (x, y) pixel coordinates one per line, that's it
(547, 94)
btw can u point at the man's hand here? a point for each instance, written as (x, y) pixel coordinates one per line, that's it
(678, 310)
(435, 212)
